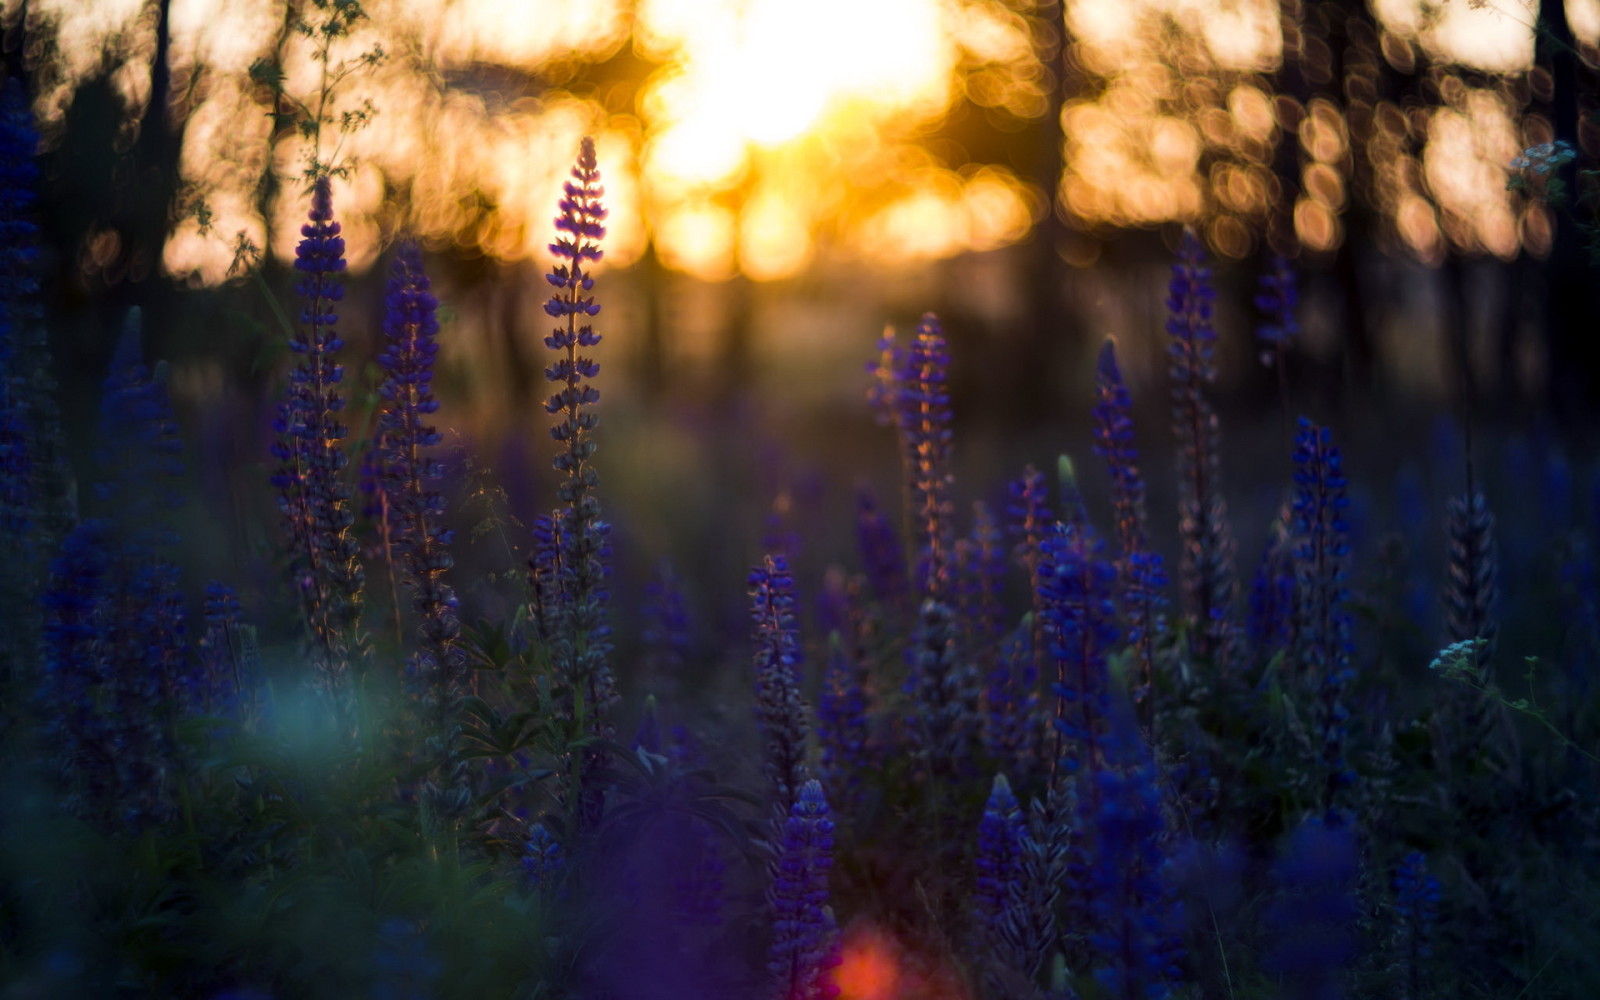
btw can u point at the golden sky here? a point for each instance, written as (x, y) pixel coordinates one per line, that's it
(762, 135)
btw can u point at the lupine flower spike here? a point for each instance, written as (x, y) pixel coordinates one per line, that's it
(925, 421)
(805, 938)
(416, 508)
(312, 493)
(1323, 631)
(1206, 568)
(582, 645)
(780, 713)
(1141, 572)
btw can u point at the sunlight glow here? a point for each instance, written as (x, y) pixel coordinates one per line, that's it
(868, 970)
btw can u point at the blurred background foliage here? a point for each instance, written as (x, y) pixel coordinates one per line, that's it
(786, 179)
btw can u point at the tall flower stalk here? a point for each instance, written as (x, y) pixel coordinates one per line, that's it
(581, 644)
(312, 494)
(780, 712)
(805, 942)
(415, 508)
(1206, 568)
(925, 424)
(1140, 571)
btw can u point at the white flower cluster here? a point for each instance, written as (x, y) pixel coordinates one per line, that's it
(1545, 157)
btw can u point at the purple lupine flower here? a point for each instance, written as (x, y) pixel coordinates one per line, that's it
(543, 859)
(1141, 571)
(1136, 918)
(1076, 585)
(882, 556)
(805, 937)
(1206, 569)
(926, 429)
(1028, 520)
(1323, 623)
(780, 712)
(312, 493)
(1270, 624)
(1416, 910)
(581, 646)
(1314, 919)
(999, 858)
(1277, 297)
(946, 690)
(1011, 701)
(78, 629)
(231, 686)
(889, 374)
(415, 507)
(843, 731)
(545, 576)
(983, 578)
(29, 393)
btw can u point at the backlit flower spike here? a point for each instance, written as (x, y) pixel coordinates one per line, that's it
(313, 495)
(1136, 919)
(1076, 587)
(581, 645)
(410, 475)
(882, 555)
(1277, 299)
(1323, 623)
(1141, 572)
(999, 859)
(805, 937)
(843, 730)
(780, 712)
(947, 690)
(926, 427)
(1206, 569)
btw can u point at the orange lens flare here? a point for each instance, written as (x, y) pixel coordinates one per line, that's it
(868, 971)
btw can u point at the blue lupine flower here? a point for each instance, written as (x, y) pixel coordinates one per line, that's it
(946, 689)
(1136, 919)
(543, 859)
(1314, 920)
(312, 493)
(1323, 631)
(1011, 701)
(1076, 585)
(999, 858)
(581, 647)
(1277, 299)
(780, 712)
(1206, 567)
(843, 731)
(666, 621)
(1416, 909)
(1270, 624)
(805, 937)
(983, 579)
(882, 556)
(415, 506)
(925, 417)
(1141, 571)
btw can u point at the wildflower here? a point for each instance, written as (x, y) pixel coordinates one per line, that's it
(416, 509)
(312, 494)
(780, 712)
(1314, 919)
(842, 728)
(925, 418)
(1141, 572)
(881, 554)
(581, 646)
(1545, 158)
(946, 691)
(1076, 586)
(1206, 567)
(805, 937)
(1136, 918)
(543, 859)
(1324, 624)
(999, 858)
(1416, 910)
(1277, 298)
